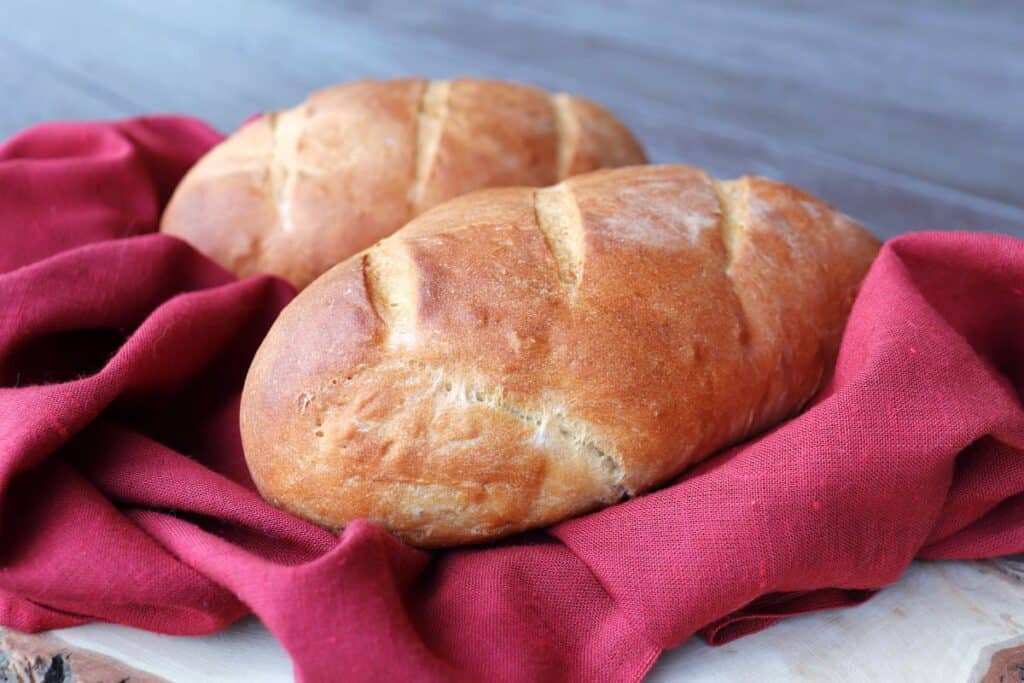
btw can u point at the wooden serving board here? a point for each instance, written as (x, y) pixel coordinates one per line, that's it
(943, 621)
(904, 115)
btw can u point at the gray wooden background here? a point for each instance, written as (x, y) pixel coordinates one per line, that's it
(907, 115)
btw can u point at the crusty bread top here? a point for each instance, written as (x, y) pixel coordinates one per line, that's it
(295, 192)
(517, 356)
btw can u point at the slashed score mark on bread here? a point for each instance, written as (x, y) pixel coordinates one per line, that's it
(295, 192)
(518, 356)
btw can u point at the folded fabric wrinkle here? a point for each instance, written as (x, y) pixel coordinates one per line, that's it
(124, 497)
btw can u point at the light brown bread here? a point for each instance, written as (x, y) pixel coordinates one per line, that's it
(295, 192)
(518, 356)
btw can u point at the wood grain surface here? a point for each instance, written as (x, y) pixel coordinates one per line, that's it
(44, 658)
(948, 622)
(907, 116)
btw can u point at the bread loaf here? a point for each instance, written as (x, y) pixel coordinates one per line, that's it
(516, 356)
(295, 192)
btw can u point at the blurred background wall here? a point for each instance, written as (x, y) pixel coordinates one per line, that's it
(907, 115)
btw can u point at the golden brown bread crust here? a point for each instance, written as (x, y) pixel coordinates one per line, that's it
(517, 356)
(295, 192)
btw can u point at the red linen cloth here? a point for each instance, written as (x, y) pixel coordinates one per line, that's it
(124, 496)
